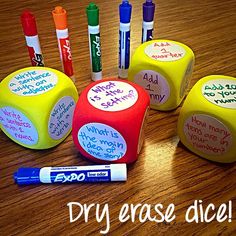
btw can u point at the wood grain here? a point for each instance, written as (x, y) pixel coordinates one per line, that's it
(166, 172)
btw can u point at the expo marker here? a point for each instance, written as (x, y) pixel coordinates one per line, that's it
(60, 20)
(125, 9)
(32, 40)
(148, 15)
(73, 174)
(94, 41)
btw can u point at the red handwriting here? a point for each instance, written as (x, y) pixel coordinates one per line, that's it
(163, 44)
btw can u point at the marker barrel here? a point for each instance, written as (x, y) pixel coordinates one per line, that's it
(147, 31)
(65, 52)
(34, 50)
(124, 49)
(60, 19)
(125, 10)
(148, 16)
(95, 52)
(73, 174)
(92, 12)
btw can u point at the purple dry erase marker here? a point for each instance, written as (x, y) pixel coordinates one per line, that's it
(148, 15)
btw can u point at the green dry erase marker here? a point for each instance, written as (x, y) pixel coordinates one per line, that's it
(94, 41)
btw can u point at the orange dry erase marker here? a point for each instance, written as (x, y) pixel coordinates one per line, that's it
(60, 20)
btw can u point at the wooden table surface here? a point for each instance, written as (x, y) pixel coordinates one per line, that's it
(166, 172)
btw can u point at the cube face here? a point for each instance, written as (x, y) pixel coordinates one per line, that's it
(163, 68)
(156, 84)
(60, 119)
(18, 126)
(36, 107)
(207, 134)
(108, 121)
(102, 141)
(112, 96)
(221, 91)
(206, 123)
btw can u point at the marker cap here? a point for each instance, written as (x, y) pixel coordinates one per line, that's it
(118, 172)
(27, 176)
(92, 14)
(28, 23)
(125, 9)
(148, 10)
(60, 18)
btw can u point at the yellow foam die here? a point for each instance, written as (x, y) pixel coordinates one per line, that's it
(163, 68)
(36, 106)
(206, 123)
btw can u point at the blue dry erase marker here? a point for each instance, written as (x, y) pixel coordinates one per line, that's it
(148, 15)
(72, 174)
(124, 38)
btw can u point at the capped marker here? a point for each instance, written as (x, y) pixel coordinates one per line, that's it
(31, 36)
(92, 12)
(125, 10)
(71, 174)
(60, 20)
(148, 16)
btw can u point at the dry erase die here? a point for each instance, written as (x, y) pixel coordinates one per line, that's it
(206, 123)
(109, 121)
(36, 107)
(163, 68)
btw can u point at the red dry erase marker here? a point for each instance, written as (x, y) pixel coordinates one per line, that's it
(32, 39)
(60, 20)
